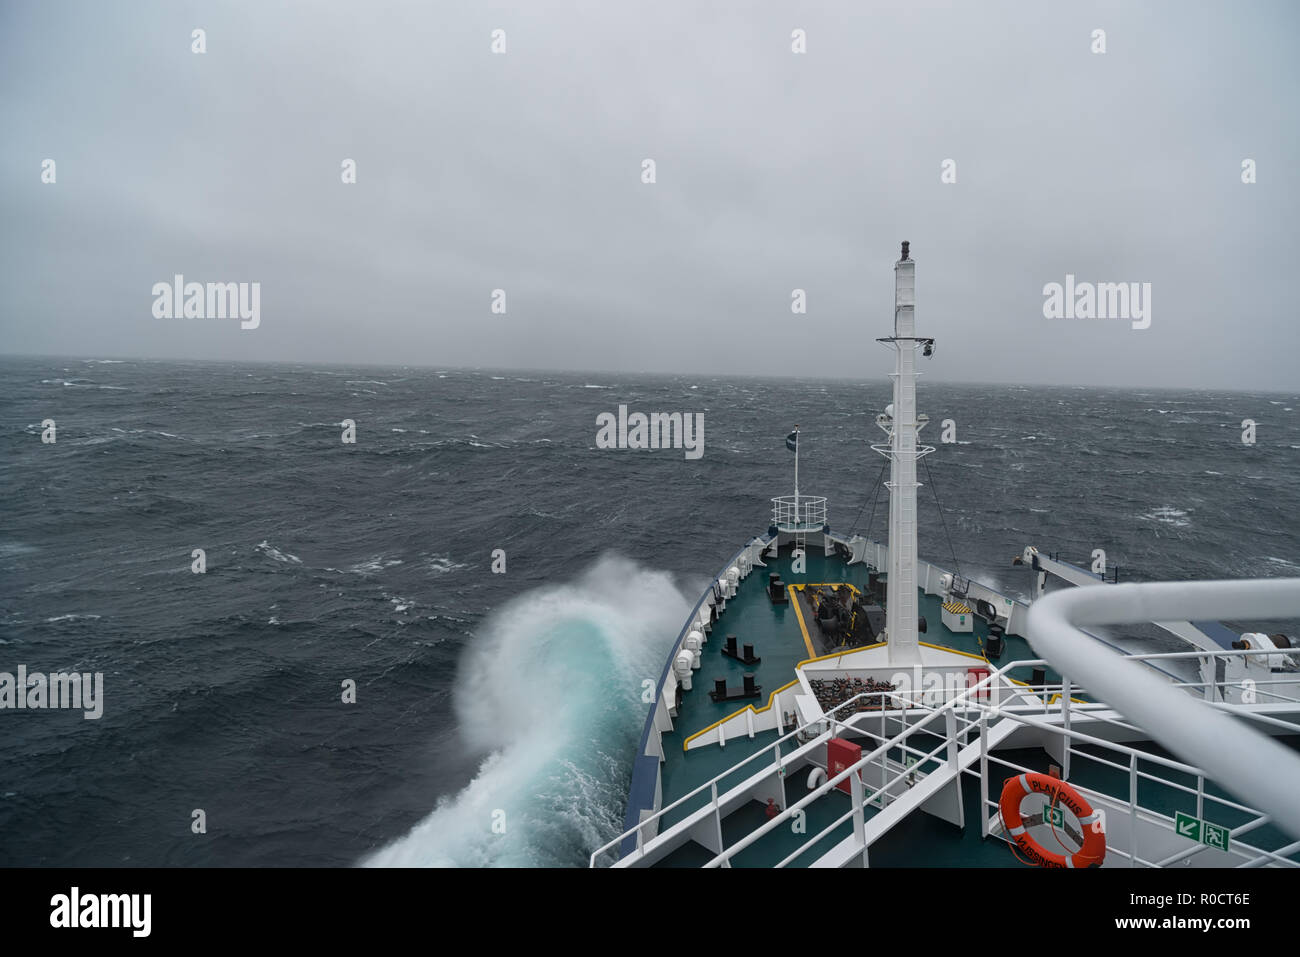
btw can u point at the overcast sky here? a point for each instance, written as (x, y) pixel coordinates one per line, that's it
(775, 171)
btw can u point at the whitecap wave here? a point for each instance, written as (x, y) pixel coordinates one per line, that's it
(372, 565)
(442, 564)
(269, 550)
(1168, 515)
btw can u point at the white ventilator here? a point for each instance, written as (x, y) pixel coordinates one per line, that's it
(682, 668)
(694, 641)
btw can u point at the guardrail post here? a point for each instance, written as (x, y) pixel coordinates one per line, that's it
(950, 718)
(984, 774)
(717, 822)
(859, 815)
(884, 758)
(1133, 810)
(1065, 723)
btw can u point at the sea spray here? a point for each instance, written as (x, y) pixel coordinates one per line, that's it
(550, 692)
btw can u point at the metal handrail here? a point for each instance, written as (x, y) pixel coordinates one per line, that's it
(1134, 754)
(850, 772)
(967, 700)
(1237, 756)
(962, 701)
(799, 751)
(1161, 818)
(801, 511)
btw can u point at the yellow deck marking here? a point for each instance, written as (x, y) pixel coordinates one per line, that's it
(955, 651)
(772, 696)
(749, 707)
(794, 600)
(811, 658)
(807, 640)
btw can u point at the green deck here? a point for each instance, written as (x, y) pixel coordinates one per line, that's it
(919, 840)
(774, 632)
(922, 840)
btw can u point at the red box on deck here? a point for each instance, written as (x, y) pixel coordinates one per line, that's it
(840, 754)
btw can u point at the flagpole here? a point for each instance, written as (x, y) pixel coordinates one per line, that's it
(796, 472)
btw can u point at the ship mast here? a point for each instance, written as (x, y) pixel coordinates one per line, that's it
(901, 424)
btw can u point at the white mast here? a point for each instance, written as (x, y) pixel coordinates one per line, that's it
(901, 424)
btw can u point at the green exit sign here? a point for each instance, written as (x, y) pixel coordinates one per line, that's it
(1203, 832)
(1215, 836)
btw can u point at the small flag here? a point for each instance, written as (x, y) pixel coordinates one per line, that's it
(792, 441)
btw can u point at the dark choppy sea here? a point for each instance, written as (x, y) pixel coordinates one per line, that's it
(480, 693)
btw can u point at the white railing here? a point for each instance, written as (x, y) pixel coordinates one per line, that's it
(1131, 806)
(1236, 756)
(1112, 677)
(772, 750)
(779, 761)
(958, 725)
(793, 513)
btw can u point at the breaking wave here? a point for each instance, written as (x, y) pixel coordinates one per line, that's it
(549, 692)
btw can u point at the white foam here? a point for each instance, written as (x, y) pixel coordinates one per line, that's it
(266, 548)
(549, 691)
(1168, 515)
(372, 565)
(442, 564)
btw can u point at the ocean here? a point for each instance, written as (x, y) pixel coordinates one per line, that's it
(495, 713)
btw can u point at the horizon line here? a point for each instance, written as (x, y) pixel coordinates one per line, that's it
(884, 378)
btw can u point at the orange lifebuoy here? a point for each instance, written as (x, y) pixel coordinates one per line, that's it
(1094, 839)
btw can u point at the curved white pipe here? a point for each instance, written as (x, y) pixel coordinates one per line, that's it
(1263, 773)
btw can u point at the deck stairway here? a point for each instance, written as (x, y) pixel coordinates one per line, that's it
(1143, 749)
(929, 784)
